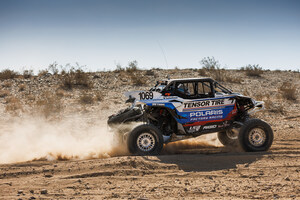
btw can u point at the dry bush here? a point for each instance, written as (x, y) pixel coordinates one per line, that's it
(53, 68)
(22, 87)
(288, 91)
(43, 72)
(132, 67)
(274, 107)
(149, 73)
(7, 84)
(60, 93)
(49, 104)
(253, 70)
(137, 81)
(210, 63)
(86, 99)
(8, 74)
(123, 74)
(4, 93)
(119, 69)
(202, 72)
(27, 74)
(212, 66)
(231, 79)
(31, 97)
(76, 79)
(13, 105)
(99, 96)
(219, 74)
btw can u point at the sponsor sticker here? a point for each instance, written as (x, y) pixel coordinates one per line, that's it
(206, 113)
(209, 127)
(194, 105)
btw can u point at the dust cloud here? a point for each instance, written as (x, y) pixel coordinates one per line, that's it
(201, 142)
(31, 138)
(77, 137)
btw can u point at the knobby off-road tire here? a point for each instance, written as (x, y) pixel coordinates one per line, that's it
(228, 138)
(145, 139)
(255, 135)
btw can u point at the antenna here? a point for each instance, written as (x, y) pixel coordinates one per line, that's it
(163, 52)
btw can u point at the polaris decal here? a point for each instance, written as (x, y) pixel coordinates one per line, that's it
(206, 113)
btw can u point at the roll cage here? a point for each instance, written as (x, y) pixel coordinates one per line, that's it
(192, 88)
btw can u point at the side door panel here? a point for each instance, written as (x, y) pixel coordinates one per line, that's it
(203, 111)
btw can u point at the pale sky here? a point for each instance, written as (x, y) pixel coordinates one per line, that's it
(101, 34)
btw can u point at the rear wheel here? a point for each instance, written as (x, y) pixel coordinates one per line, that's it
(145, 140)
(228, 138)
(256, 135)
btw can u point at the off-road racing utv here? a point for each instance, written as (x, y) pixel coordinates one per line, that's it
(181, 108)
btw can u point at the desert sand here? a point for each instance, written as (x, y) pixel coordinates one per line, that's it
(65, 150)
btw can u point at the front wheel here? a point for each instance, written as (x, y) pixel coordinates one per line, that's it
(145, 140)
(255, 135)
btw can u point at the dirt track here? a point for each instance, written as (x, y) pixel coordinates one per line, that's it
(205, 172)
(194, 171)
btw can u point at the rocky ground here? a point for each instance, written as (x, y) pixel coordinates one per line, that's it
(81, 163)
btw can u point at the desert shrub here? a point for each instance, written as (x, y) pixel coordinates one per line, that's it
(13, 105)
(86, 99)
(212, 66)
(30, 97)
(150, 73)
(119, 68)
(7, 84)
(274, 107)
(288, 91)
(8, 74)
(49, 104)
(60, 93)
(210, 63)
(22, 87)
(137, 81)
(252, 70)
(76, 78)
(53, 68)
(99, 96)
(202, 72)
(4, 93)
(219, 75)
(132, 66)
(27, 74)
(232, 79)
(43, 72)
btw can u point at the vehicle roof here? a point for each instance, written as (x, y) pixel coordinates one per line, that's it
(187, 79)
